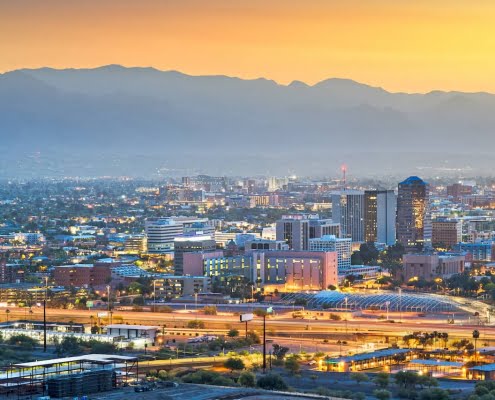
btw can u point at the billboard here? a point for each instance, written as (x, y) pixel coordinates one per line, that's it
(246, 317)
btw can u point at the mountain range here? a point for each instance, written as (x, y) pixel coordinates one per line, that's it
(115, 120)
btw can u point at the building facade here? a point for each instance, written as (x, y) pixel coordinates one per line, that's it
(342, 246)
(413, 215)
(380, 211)
(348, 210)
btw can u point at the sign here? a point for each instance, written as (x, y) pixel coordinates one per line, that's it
(269, 310)
(102, 314)
(89, 303)
(246, 317)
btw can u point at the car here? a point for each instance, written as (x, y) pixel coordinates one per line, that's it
(312, 362)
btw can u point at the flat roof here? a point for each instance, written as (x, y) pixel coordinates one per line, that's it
(484, 368)
(125, 326)
(92, 358)
(438, 363)
(367, 356)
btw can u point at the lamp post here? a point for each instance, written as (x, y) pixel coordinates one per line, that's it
(44, 314)
(154, 295)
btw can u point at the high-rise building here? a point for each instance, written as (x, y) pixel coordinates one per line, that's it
(343, 247)
(414, 229)
(190, 244)
(380, 211)
(348, 210)
(297, 229)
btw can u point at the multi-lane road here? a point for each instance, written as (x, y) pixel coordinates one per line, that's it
(278, 325)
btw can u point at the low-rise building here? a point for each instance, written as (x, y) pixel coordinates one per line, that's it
(431, 266)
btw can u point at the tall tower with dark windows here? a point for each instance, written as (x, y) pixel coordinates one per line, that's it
(414, 228)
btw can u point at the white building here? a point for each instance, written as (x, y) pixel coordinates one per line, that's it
(343, 247)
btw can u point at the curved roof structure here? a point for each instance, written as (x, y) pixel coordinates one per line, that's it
(377, 301)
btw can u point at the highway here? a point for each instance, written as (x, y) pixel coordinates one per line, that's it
(281, 324)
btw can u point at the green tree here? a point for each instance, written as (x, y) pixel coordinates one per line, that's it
(247, 379)
(292, 365)
(196, 324)
(272, 382)
(23, 341)
(382, 394)
(234, 364)
(233, 333)
(434, 394)
(382, 380)
(210, 310)
(359, 377)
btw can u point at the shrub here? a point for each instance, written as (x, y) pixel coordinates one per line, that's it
(272, 382)
(247, 379)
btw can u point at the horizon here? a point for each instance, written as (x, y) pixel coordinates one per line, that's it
(401, 46)
(213, 75)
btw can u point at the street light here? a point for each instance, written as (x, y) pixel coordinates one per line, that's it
(109, 309)
(154, 295)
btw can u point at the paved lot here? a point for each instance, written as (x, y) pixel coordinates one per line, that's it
(193, 392)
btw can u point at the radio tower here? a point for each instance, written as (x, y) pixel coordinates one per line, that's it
(344, 170)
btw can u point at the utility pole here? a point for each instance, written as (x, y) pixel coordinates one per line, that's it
(268, 311)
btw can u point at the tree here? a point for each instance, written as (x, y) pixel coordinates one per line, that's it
(434, 394)
(292, 365)
(196, 324)
(382, 380)
(233, 333)
(210, 310)
(24, 341)
(234, 364)
(272, 382)
(70, 346)
(406, 379)
(247, 379)
(279, 351)
(359, 377)
(382, 394)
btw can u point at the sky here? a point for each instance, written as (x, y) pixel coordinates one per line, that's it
(400, 45)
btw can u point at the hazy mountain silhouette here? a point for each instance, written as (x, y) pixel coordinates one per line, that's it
(116, 120)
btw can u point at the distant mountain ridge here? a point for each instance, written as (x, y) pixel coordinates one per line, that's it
(78, 119)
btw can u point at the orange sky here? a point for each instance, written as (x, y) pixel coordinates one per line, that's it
(401, 45)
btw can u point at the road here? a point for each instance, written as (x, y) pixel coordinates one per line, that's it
(281, 324)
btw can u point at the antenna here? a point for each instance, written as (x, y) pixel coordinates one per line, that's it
(343, 168)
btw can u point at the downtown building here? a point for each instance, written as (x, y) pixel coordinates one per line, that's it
(380, 212)
(342, 246)
(190, 244)
(348, 210)
(283, 270)
(446, 232)
(430, 266)
(162, 232)
(297, 229)
(414, 230)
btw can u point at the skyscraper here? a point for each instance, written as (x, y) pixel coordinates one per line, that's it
(414, 229)
(380, 209)
(348, 210)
